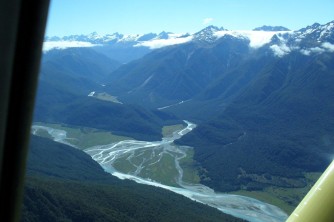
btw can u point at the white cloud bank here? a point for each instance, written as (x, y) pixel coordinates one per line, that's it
(325, 47)
(159, 43)
(207, 21)
(47, 46)
(280, 50)
(328, 46)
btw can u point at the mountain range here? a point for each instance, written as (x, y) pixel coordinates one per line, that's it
(262, 99)
(125, 48)
(256, 101)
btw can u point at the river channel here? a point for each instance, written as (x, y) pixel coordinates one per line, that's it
(142, 155)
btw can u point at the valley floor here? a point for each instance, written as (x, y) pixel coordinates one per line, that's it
(163, 164)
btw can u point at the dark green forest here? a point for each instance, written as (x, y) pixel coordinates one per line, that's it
(281, 126)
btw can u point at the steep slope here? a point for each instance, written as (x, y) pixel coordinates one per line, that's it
(283, 119)
(65, 184)
(176, 73)
(80, 63)
(63, 90)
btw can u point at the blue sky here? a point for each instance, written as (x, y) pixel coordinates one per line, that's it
(68, 17)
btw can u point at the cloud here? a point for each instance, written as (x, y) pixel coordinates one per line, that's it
(159, 43)
(280, 50)
(317, 50)
(65, 44)
(305, 52)
(207, 21)
(328, 46)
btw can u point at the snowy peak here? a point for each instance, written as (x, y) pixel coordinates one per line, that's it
(271, 28)
(313, 39)
(112, 37)
(95, 38)
(317, 32)
(164, 35)
(207, 34)
(149, 40)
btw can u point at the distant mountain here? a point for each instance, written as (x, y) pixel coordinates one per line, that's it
(65, 184)
(271, 28)
(126, 48)
(119, 47)
(177, 73)
(84, 63)
(207, 34)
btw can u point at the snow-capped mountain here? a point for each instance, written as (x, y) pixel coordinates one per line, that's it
(94, 39)
(312, 39)
(208, 34)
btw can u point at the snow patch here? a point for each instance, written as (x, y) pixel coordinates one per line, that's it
(130, 38)
(327, 29)
(91, 93)
(257, 38)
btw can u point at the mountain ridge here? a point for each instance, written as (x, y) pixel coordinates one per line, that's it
(126, 48)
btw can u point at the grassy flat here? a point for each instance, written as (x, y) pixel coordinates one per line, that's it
(190, 173)
(83, 137)
(285, 198)
(168, 130)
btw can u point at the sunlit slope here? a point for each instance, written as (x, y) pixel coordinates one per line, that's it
(66, 184)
